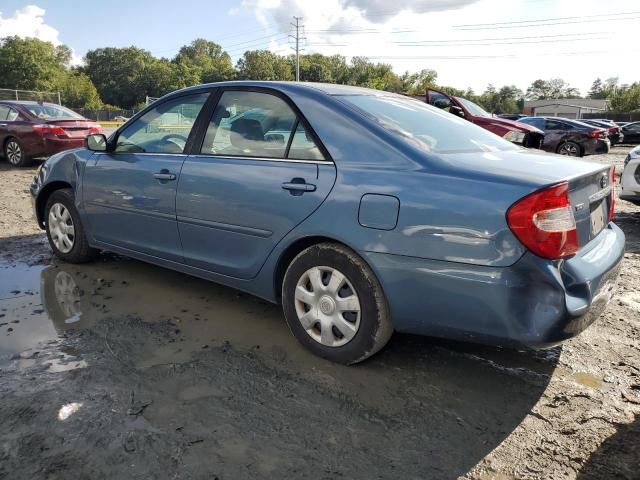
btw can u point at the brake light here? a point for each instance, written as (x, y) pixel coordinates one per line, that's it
(95, 129)
(596, 133)
(613, 129)
(44, 128)
(543, 221)
(613, 193)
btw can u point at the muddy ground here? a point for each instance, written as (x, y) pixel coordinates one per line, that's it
(118, 369)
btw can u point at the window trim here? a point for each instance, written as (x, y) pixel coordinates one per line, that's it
(196, 148)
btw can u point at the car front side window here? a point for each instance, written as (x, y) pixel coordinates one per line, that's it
(250, 124)
(163, 129)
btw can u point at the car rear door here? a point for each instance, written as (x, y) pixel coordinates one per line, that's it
(129, 193)
(554, 133)
(254, 178)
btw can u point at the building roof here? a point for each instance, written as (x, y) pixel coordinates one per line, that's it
(572, 102)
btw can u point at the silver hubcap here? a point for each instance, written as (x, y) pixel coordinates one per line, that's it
(14, 153)
(569, 149)
(67, 294)
(327, 306)
(61, 228)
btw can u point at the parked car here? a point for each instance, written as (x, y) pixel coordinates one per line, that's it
(622, 124)
(630, 178)
(35, 129)
(631, 132)
(525, 135)
(512, 116)
(376, 213)
(615, 134)
(570, 137)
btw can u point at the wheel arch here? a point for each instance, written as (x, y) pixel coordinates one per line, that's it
(43, 196)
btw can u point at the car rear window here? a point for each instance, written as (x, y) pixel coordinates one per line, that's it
(428, 127)
(52, 112)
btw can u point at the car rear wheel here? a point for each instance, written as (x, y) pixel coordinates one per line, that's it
(571, 149)
(15, 154)
(64, 228)
(334, 304)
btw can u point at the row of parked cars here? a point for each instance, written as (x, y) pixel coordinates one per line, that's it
(553, 134)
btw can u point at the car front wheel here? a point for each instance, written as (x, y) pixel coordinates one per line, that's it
(571, 149)
(64, 228)
(334, 304)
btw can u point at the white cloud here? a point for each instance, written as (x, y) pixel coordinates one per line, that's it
(416, 34)
(28, 22)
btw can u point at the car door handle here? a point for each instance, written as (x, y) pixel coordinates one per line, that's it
(164, 175)
(299, 186)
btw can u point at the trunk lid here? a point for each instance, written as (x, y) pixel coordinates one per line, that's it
(591, 197)
(75, 128)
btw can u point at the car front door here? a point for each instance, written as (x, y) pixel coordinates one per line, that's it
(259, 172)
(129, 192)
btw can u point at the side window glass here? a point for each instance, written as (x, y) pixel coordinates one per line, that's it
(13, 115)
(163, 129)
(4, 112)
(553, 125)
(439, 100)
(249, 124)
(303, 147)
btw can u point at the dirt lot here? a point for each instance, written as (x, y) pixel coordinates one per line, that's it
(124, 370)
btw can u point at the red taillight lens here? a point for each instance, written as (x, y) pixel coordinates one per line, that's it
(596, 133)
(613, 129)
(613, 193)
(95, 129)
(543, 221)
(50, 129)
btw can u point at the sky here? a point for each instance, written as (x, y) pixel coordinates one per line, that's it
(470, 43)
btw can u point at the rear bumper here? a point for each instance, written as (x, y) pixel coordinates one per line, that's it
(596, 146)
(535, 302)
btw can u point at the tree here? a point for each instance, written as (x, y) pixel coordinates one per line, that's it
(30, 64)
(264, 65)
(549, 89)
(208, 59)
(78, 91)
(597, 90)
(626, 98)
(417, 83)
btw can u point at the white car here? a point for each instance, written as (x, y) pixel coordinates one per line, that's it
(630, 180)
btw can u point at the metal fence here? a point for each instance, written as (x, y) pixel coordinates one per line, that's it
(105, 115)
(11, 94)
(616, 117)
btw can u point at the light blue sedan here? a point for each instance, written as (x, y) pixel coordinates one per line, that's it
(361, 212)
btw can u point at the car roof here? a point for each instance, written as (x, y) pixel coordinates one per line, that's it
(328, 88)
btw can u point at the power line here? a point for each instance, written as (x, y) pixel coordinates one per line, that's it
(547, 19)
(566, 22)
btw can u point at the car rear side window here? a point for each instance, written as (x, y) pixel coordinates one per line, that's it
(163, 129)
(4, 112)
(256, 124)
(13, 115)
(426, 127)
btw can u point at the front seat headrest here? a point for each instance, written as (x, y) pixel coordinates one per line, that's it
(245, 132)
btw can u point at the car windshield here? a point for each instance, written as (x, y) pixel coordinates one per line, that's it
(47, 111)
(472, 108)
(428, 127)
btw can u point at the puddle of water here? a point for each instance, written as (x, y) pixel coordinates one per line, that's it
(582, 378)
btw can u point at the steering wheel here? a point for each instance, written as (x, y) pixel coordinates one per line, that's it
(172, 137)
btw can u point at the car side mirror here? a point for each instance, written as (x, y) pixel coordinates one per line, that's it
(96, 142)
(457, 111)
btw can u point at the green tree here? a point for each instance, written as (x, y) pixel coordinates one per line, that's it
(626, 98)
(30, 64)
(552, 88)
(264, 65)
(78, 91)
(211, 63)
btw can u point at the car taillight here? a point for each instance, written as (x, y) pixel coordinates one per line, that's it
(596, 133)
(613, 129)
(45, 128)
(95, 129)
(613, 193)
(543, 221)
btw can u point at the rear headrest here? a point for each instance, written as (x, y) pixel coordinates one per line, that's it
(244, 132)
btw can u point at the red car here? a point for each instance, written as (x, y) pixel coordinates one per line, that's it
(36, 129)
(516, 132)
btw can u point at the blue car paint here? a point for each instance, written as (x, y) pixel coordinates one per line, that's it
(449, 267)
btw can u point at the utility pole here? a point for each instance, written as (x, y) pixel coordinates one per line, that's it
(297, 39)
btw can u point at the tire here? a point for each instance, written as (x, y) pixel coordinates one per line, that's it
(571, 149)
(14, 153)
(60, 214)
(361, 332)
